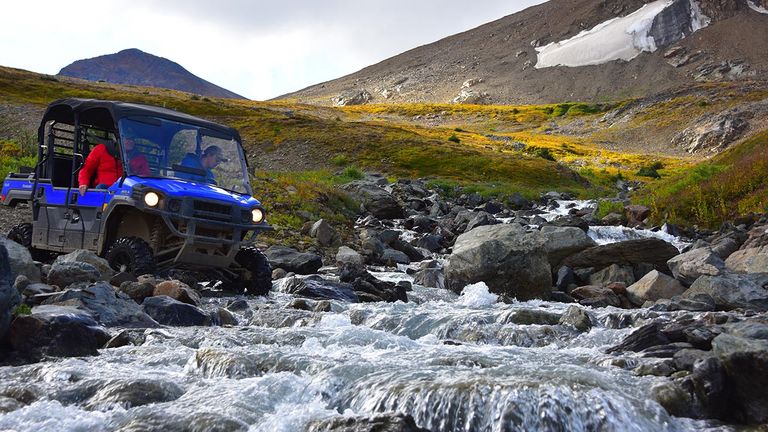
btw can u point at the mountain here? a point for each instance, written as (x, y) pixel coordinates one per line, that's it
(613, 49)
(135, 67)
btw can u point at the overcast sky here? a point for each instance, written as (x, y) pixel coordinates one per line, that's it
(255, 48)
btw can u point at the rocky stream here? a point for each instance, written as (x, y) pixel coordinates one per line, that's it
(444, 314)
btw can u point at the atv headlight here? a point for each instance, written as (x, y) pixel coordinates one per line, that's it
(151, 199)
(257, 215)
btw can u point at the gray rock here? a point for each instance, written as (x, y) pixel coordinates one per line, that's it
(315, 287)
(532, 317)
(565, 277)
(431, 242)
(686, 358)
(674, 398)
(132, 393)
(392, 256)
(89, 257)
(352, 97)
(430, 277)
(746, 367)
(168, 311)
(509, 260)
(725, 247)
(406, 248)
(103, 303)
(751, 260)
(57, 331)
(654, 286)
(596, 296)
(689, 266)
(650, 250)
(375, 200)
(65, 274)
(480, 219)
(325, 234)
(9, 296)
(576, 317)
(137, 291)
(663, 368)
(561, 242)
(293, 261)
(21, 262)
(732, 291)
(379, 423)
(351, 264)
(613, 273)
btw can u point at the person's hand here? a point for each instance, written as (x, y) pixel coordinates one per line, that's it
(82, 189)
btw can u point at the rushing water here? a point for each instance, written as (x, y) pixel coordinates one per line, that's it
(455, 363)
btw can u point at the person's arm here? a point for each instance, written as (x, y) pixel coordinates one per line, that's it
(90, 166)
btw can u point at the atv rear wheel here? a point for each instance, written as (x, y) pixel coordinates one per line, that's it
(131, 254)
(256, 273)
(22, 234)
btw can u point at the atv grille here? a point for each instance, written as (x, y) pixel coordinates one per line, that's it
(213, 211)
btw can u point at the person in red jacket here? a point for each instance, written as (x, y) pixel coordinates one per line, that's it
(137, 162)
(101, 169)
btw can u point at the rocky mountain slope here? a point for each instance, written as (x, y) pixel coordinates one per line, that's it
(613, 49)
(135, 67)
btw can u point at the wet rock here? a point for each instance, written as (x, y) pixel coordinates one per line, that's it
(746, 368)
(278, 273)
(686, 358)
(613, 273)
(665, 351)
(375, 200)
(121, 278)
(103, 303)
(137, 291)
(533, 317)
(420, 224)
(20, 260)
(645, 337)
(351, 264)
(570, 221)
(561, 297)
(325, 234)
(565, 277)
(596, 296)
(168, 311)
(636, 214)
(145, 420)
(431, 242)
(689, 266)
(56, 331)
(561, 242)
(9, 296)
(239, 305)
(654, 286)
(391, 257)
(650, 250)
(612, 219)
(509, 260)
(135, 393)
(430, 277)
(9, 404)
(177, 290)
(576, 317)
(662, 368)
(709, 385)
(378, 423)
(732, 291)
(480, 219)
(224, 317)
(293, 261)
(88, 257)
(369, 289)
(216, 363)
(316, 287)
(674, 398)
(406, 248)
(65, 274)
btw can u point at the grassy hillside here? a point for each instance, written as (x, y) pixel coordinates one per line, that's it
(731, 184)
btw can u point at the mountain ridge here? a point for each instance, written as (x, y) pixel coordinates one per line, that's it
(135, 67)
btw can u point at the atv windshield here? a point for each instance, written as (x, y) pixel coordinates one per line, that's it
(156, 147)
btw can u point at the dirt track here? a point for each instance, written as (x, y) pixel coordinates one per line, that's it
(12, 216)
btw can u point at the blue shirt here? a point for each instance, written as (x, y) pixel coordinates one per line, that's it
(192, 161)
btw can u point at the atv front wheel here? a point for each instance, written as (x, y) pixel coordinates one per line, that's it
(22, 234)
(131, 254)
(256, 273)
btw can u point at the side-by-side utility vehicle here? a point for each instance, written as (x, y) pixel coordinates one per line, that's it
(182, 197)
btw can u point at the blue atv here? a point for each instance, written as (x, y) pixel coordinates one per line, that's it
(173, 207)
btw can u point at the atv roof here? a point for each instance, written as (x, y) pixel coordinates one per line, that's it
(106, 114)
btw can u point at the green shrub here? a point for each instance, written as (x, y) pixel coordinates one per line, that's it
(458, 129)
(352, 173)
(648, 171)
(544, 154)
(340, 160)
(454, 138)
(22, 309)
(604, 208)
(195, 97)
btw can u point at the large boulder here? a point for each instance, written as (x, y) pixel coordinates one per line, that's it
(636, 214)
(315, 287)
(89, 257)
(324, 233)
(350, 263)
(379, 423)
(649, 250)
(58, 331)
(751, 260)
(375, 200)
(20, 260)
(293, 261)
(654, 286)
(109, 307)
(177, 290)
(509, 260)
(613, 273)
(561, 242)
(732, 291)
(168, 311)
(689, 266)
(745, 361)
(430, 277)
(9, 296)
(64, 274)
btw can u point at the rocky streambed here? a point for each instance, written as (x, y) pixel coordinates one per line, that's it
(445, 314)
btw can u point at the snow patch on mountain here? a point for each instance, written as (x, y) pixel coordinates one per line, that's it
(757, 8)
(622, 38)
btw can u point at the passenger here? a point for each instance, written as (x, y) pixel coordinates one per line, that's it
(101, 169)
(211, 158)
(137, 162)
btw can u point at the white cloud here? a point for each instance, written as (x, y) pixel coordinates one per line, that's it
(257, 49)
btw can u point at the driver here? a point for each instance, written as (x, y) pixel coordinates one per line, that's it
(210, 159)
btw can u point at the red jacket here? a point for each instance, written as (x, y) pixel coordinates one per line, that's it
(107, 169)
